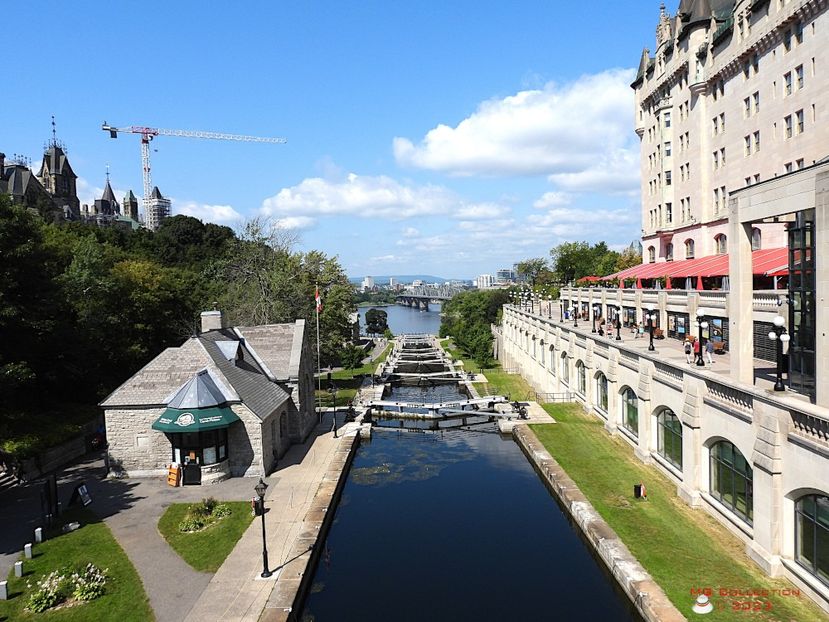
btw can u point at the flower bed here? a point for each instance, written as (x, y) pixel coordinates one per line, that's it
(67, 586)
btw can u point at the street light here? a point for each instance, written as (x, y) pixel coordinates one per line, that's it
(260, 489)
(593, 308)
(651, 317)
(779, 335)
(561, 310)
(702, 325)
(618, 326)
(576, 310)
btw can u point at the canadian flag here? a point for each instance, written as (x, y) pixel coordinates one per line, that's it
(318, 299)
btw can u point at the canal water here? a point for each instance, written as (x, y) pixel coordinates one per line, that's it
(454, 525)
(403, 320)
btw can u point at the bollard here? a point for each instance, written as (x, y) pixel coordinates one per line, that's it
(18, 569)
(4, 590)
(39, 534)
(27, 551)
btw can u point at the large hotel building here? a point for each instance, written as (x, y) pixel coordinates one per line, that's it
(731, 110)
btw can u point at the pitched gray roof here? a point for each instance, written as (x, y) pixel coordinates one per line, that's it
(245, 375)
(109, 195)
(201, 391)
(277, 346)
(156, 193)
(55, 162)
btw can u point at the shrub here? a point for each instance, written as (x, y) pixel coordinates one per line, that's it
(221, 510)
(191, 523)
(84, 584)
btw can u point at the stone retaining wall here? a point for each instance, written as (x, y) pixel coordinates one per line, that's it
(642, 590)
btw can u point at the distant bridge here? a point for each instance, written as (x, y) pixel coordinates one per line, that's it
(420, 297)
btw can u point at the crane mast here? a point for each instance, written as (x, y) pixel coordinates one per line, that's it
(149, 133)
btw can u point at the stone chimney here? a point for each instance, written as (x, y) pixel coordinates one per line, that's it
(211, 320)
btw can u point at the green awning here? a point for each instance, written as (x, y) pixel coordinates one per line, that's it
(175, 420)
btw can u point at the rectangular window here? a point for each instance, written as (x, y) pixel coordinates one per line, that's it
(747, 107)
(798, 71)
(667, 149)
(800, 119)
(787, 83)
(747, 141)
(722, 156)
(716, 199)
(716, 158)
(756, 97)
(800, 163)
(715, 125)
(688, 137)
(722, 121)
(757, 178)
(798, 33)
(756, 141)
(667, 178)
(755, 63)
(667, 120)
(748, 181)
(787, 40)
(788, 122)
(788, 166)
(669, 212)
(746, 69)
(688, 170)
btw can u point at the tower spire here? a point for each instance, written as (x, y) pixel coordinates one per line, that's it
(107, 172)
(54, 133)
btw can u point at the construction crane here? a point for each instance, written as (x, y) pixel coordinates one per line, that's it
(149, 133)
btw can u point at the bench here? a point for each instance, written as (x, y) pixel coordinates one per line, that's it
(719, 347)
(658, 333)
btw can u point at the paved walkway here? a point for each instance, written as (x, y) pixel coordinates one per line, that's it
(236, 592)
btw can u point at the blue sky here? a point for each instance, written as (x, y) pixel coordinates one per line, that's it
(423, 137)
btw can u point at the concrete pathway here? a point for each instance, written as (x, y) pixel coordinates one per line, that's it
(236, 592)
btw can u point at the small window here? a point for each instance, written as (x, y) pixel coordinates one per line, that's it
(689, 249)
(651, 254)
(669, 437)
(721, 243)
(800, 163)
(798, 71)
(787, 83)
(800, 121)
(747, 142)
(669, 252)
(756, 239)
(667, 118)
(756, 98)
(667, 178)
(667, 149)
(747, 107)
(756, 141)
(787, 40)
(601, 392)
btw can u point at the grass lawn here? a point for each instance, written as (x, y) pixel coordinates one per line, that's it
(205, 550)
(368, 368)
(124, 600)
(498, 382)
(680, 547)
(344, 396)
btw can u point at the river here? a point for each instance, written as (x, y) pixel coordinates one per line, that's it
(407, 319)
(454, 526)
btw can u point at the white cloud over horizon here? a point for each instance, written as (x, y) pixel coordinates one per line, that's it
(577, 134)
(217, 214)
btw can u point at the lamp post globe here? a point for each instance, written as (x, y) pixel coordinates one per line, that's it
(260, 489)
(651, 317)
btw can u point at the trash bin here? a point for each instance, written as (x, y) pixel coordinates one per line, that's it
(191, 475)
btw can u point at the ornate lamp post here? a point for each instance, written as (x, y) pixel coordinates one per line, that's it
(701, 325)
(618, 326)
(593, 309)
(260, 489)
(576, 310)
(651, 317)
(779, 335)
(561, 310)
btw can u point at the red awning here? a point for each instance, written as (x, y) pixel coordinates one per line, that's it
(766, 262)
(589, 279)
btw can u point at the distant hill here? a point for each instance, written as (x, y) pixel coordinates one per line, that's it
(404, 279)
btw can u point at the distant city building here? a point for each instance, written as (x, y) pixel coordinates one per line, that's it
(392, 282)
(417, 283)
(157, 209)
(485, 281)
(107, 205)
(505, 275)
(58, 179)
(18, 181)
(368, 283)
(130, 206)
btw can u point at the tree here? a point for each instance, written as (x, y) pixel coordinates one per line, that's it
(628, 258)
(376, 321)
(468, 317)
(574, 260)
(530, 269)
(351, 356)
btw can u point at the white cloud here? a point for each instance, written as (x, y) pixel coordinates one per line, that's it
(552, 199)
(366, 196)
(374, 197)
(576, 220)
(562, 129)
(219, 214)
(616, 171)
(410, 232)
(295, 222)
(480, 211)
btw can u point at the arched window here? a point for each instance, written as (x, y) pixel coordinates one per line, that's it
(731, 480)
(812, 535)
(669, 437)
(756, 239)
(533, 340)
(689, 249)
(541, 351)
(552, 360)
(601, 392)
(669, 251)
(721, 244)
(565, 369)
(581, 378)
(630, 411)
(651, 254)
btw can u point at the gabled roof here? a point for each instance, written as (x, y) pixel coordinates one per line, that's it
(130, 197)
(278, 347)
(17, 179)
(55, 162)
(156, 193)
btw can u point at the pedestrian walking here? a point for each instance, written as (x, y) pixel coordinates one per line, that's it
(642, 330)
(688, 350)
(709, 350)
(697, 350)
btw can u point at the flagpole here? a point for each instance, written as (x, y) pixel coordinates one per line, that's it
(319, 363)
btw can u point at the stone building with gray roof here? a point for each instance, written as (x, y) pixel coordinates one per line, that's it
(231, 400)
